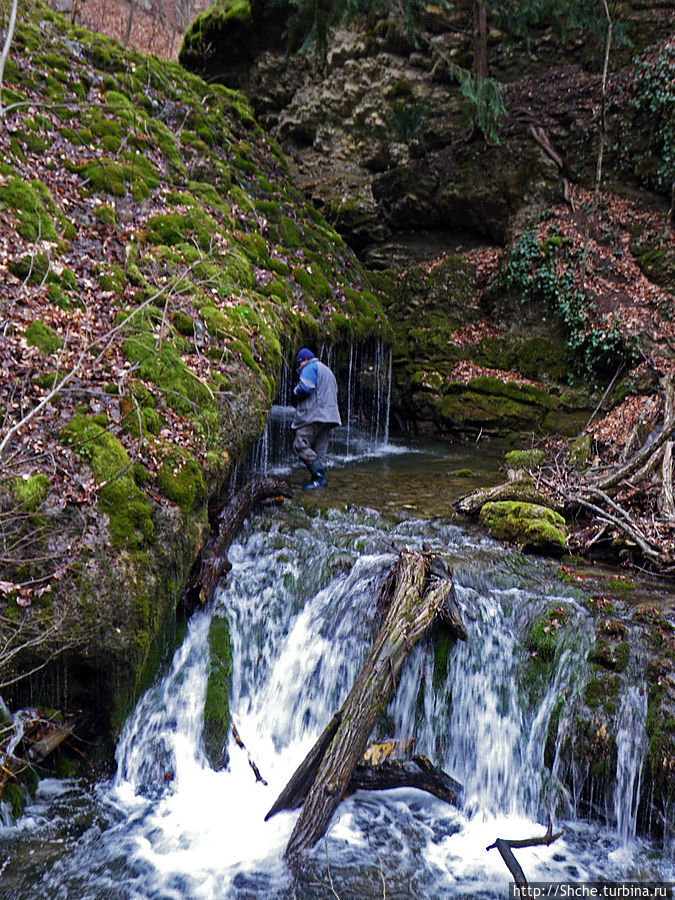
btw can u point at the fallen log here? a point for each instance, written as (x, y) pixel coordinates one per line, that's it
(520, 487)
(54, 737)
(505, 845)
(213, 562)
(324, 777)
(418, 772)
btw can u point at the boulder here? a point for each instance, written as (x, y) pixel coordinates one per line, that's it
(537, 529)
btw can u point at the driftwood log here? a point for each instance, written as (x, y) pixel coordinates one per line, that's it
(418, 772)
(213, 561)
(415, 600)
(505, 845)
(40, 737)
(519, 487)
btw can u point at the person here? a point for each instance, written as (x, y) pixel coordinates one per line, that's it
(316, 414)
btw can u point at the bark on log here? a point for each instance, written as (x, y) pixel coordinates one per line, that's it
(418, 772)
(47, 744)
(666, 501)
(416, 603)
(213, 561)
(519, 488)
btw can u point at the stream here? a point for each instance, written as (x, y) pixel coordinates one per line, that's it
(300, 600)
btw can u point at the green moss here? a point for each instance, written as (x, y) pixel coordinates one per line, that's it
(102, 175)
(41, 336)
(128, 509)
(30, 491)
(106, 214)
(216, 700)
(602, 692)
(580, 452)
(533, 526)
(177, 228)
(34, 222)
(180, 479)
(183, 391)
(183, 323)
(442, 646)
(13, 794)
(523, 459)
(313, 283)
(112, 278)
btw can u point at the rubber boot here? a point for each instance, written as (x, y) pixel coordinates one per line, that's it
(318, 476)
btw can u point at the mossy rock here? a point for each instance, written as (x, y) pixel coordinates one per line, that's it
(127, 507)
(523, 459)
(535, 528)
(41, 336)
(35, 223)
(217, 699)
(181, 480)
(580, 452)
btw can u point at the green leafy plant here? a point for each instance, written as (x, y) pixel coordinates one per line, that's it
(533, 271)
(484, 103)
(646, 142)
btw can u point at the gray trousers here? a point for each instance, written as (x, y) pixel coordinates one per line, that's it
(311, 441)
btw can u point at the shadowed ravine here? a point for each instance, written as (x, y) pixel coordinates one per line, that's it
(300, 599)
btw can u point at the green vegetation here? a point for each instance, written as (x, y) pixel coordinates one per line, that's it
(30, 491)
(646, 141)
(535, 528)
(34, 222)
(128, 509)
(544, 274)
(216, 701)
(523, 459)
(41, 336)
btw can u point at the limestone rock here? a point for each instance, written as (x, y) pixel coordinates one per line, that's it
(537, 529)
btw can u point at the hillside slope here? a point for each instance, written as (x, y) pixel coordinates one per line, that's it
(156, 263)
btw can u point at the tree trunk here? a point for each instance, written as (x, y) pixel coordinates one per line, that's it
(480, 64)
(417, 601)
(213, 561)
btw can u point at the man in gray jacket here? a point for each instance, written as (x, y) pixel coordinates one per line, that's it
(316, 414)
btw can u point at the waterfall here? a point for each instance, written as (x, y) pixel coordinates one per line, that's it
(631, 746)
(300, 600)
(364, 373)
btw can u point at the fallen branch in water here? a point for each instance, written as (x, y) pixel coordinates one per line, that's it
(213, 561)
(323, 779)
(504, 846)
(238, 741)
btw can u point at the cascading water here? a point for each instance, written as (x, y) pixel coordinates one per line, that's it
(364, 380)
(300, 600)
(631, 745)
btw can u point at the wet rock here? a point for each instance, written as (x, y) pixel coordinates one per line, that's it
(537, 529)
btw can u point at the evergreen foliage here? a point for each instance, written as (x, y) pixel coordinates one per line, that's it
(484, 103)
(311, 21)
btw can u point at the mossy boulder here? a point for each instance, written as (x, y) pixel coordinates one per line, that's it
(216, 701)
(580, 452)
(535, 528)
(523, 459)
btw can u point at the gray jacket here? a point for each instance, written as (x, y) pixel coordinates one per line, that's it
(316, 391)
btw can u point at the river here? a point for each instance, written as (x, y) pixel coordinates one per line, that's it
(300, 599)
